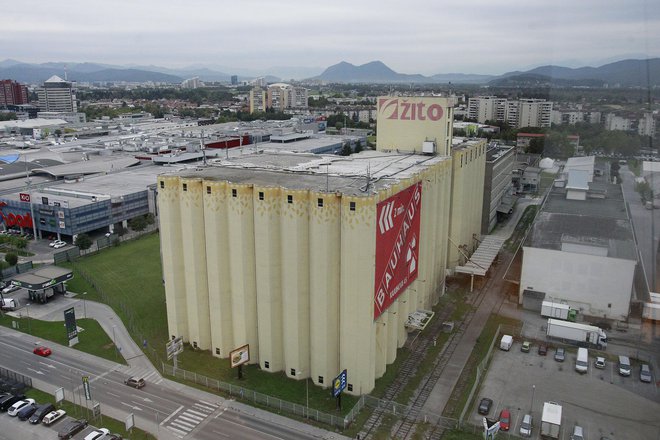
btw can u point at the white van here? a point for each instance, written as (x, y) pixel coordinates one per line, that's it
(582, 361)
(624, 366)
(506, 342)
(9, 304)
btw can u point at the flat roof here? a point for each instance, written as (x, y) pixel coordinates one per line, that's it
(344, 174)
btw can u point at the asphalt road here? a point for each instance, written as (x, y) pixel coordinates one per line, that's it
(166, 409)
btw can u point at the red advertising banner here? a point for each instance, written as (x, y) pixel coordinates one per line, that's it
(397, 245)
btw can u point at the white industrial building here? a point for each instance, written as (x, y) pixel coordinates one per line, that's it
(581, 250)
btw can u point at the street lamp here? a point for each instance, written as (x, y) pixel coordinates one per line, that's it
(114, 340)
(531, 406)
(84, 305)
(300, 373)
(27, 310)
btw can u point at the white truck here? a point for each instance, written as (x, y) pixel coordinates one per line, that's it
(551, 309)
(579, 333)
(551, 420)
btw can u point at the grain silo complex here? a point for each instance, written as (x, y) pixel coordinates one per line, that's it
(316, 262)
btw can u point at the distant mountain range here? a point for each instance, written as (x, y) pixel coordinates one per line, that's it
(626, 73)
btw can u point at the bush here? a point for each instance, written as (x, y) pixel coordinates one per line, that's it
(11, 258)
(83, 242)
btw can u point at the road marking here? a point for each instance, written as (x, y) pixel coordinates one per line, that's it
(136, 408)
(36, 371)
(113, 394)
(177, 432)
(180, 422)
(197, 413)
(186, 417)
(173, 414)
(220, 433)
(261, 433)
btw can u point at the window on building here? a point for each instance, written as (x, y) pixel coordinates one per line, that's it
(162, 184)
(261, 195)
(319, 202)
(217, 351)
(208, 190)
(320, 379)
(289, 198)
(293, 372)
(233, 192)
(351, 206)
(185, 187)
(195, 345)
(350, 387)
(266, 364)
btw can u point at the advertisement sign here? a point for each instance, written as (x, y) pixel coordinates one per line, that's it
(24, 197)
(71, 327)
(88, 391)
(404, 123)
(240, 356)
(11, 219)
(339, 384)
(174, 347)
(397, 245)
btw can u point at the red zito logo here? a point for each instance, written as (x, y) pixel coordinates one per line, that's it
(405, 110)
(23, 221)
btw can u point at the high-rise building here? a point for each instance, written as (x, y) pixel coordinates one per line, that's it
(258, 100)
(234, 80)
(521, 113)
(646, 126)
(192, 83)
(283, 96)
(12, 93)
(57, 95)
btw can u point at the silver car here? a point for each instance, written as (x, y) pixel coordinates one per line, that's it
(526, 426)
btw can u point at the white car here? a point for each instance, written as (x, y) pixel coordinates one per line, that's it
(16, 407)
(10, 288)
(53, 416)
(98, 434)
(59, 244)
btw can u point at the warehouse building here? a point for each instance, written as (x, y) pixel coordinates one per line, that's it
(316, 262)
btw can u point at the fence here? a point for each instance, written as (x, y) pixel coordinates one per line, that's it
(261, 399)
(19, 268)
(71, 254)
(17, 378)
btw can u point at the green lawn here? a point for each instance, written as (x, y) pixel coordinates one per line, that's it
(92, 339)
(79, 412)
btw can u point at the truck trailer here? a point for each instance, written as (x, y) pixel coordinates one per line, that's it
(555, 310)
(551, 420)
(582, 334)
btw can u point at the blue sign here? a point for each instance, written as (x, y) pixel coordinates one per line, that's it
(339, 384)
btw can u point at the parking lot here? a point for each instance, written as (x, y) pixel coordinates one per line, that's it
(13, 429)
(601, 401)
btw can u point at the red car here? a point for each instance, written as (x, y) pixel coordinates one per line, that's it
(42, 351)
(505, 420)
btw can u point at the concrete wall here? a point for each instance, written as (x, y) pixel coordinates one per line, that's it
(595, 285)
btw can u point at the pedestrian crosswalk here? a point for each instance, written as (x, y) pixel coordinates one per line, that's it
(185, 420)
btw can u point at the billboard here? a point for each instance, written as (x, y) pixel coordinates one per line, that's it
(239, 356)
(71, 327)
(404, 123)
(397, 245)
(339, 384)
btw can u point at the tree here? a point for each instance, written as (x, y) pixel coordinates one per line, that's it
(11, 258)
(536, 145)
(138, 223)
(346, 150)
(149, 218)
(83, 241)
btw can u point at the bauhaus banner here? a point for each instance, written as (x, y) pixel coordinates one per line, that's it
(397, 245)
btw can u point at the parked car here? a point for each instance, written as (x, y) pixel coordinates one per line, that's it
(10, 288)
(41, 412)
(505, 419)
(484, 406)
(543, 349)
(98, 434)
(600, 362)
(53, 417)
(645, 373)
(578, 433)
(560, 354)
(135, 382)
(7, 401)
(16, 407)
(59, 244)
(71, 428)
(42, 351)
(525, 347)
(26, 412)
(526, 426)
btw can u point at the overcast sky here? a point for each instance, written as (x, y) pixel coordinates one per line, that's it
(410, 36)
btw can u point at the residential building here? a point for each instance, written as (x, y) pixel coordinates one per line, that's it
(57, 95)
(487, 108)
(499, 196)
(646, 126)
(520, 113)
(192, 83)
(283, 96)
(614, 122)
(12, 93)
(258, 100)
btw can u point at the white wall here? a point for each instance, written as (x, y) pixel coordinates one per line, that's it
(595, 285)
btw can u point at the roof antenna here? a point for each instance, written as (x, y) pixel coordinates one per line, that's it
(203, 147)
(368, 176)
(65, 78)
